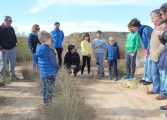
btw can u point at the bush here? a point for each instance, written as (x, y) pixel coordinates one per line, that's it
(67, 103)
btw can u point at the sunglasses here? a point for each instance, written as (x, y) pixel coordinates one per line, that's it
(38, 28)
(9, 20)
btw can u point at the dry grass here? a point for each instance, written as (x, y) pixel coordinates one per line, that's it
(67, 103)
(23, 53)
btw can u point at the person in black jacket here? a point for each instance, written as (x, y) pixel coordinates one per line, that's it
(8, 43)
(32, 43)
(72, 60)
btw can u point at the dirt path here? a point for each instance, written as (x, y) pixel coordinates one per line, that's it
(114, 102)
(19, 101)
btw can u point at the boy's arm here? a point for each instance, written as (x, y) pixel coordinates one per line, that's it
(106, 54)
(148, 32)
(118, 52)
(62, 36)
(137, 43)
(93, 44)
(104, 44)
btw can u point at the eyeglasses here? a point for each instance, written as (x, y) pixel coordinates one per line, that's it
(37, 28)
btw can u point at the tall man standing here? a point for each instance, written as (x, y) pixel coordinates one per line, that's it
(8, 43)
(58, 37)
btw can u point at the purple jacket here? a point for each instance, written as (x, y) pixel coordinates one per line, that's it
(162, 63)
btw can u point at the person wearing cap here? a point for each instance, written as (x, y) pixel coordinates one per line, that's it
(32, 43)
(8, 43)
(58, 37)
(99, 45)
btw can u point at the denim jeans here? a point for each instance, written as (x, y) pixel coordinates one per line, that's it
(147, 70)
(48, 86)
(163, 77)
(8, 56)
(113, 65)
(100, 62)
(130, 63)
(158, 86)
(34, 60)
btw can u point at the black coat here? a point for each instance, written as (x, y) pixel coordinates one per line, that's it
(8, 38)
(71, 59)
(32, 42)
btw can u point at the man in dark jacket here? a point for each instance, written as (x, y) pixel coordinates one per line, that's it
(8, 43)
(72, 60)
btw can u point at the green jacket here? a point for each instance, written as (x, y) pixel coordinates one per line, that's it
(132, 42)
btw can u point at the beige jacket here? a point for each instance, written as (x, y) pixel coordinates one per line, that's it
(155, 47)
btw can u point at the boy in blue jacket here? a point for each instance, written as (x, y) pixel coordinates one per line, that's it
(112, 56)
(47, 65)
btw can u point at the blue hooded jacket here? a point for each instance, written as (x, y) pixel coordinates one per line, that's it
(145, 34)
(47, 62)
(57, 37)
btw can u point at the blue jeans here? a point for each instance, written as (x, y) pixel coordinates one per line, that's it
(8, 56)
(158, 86)
(48, 86)
(163, 77)
(100, 62)
(34, 60)
(113, 65)
(147, 69)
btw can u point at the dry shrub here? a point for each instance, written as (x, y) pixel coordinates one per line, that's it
(67, 103)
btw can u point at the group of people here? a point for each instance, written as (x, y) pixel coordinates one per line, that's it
(44, 46)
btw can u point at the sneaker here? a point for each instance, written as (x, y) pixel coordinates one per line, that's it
(126, 76)
(131, 77)
(82, 75)
(110, 77)
(115, 79)
(89, 75)
(163, 107)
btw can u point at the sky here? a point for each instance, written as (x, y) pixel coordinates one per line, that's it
(77, 15)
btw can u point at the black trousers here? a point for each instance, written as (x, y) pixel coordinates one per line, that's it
(59, 54)
(85, 59)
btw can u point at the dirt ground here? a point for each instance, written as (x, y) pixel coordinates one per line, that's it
(21, 100)
(112, 101)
